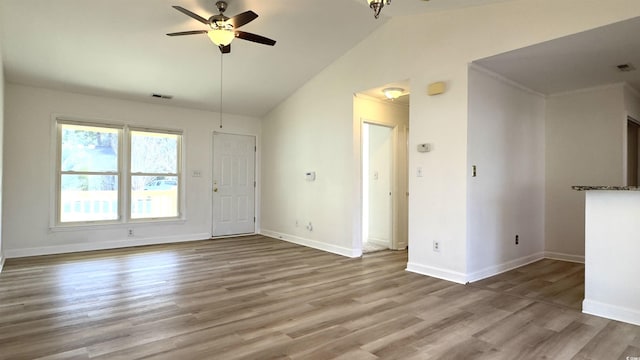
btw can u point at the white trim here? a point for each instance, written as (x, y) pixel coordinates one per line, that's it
(564, 257)
(136, 223)
(589, 89)
(379, 242)
(609, 311)
(231, 236)
(504, 267)
(503, 79)
(352, 253)
(439, 273)
(2, 259)
(70, 248)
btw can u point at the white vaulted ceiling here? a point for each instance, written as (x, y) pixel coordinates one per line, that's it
(119, 48)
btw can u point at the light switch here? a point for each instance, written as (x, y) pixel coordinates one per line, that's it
(419, 171)
(196, 173)
(375, 175)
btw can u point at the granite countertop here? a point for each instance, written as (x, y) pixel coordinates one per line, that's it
(615, 188)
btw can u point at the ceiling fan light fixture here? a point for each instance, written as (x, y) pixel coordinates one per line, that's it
(221, 34)
(392, 93)
(221, 37)
(377, 5)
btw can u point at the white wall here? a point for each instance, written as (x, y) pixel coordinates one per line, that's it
(632, 102)
(313, 129)
(506, 198)
(1, 152)
(612, 248)
(29, 170)
(584, 146)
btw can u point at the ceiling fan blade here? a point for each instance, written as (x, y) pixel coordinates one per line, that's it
(192, 15)
(242, 19)
(255, 38)
(225, 49)
(194, 32)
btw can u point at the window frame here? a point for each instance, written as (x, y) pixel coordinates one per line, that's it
(130, 174)
(59, 172)
(124, 174)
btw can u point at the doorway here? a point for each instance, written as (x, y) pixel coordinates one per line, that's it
(233, 199)
(633, 152)
(377, 185)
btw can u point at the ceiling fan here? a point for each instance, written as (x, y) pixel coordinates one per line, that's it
(223, 29)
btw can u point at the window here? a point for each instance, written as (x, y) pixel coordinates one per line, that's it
(154, 174)
(90, 173)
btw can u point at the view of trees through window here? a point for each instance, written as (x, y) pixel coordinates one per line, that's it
(90, 173)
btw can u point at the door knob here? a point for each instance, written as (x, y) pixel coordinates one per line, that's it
(215, 189)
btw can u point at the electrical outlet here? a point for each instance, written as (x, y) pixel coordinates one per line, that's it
(297, 223)
(130, 233)
(436, 246)
(517, 239)
(310, 226)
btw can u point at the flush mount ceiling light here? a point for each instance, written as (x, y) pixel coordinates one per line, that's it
(377, 5)
(393, 93)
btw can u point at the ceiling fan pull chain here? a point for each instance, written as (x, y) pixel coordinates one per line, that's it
(221, 58)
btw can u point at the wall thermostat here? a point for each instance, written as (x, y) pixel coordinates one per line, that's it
(424, 148)
(310, 176)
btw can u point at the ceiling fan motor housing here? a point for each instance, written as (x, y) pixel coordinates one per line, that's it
(218, 21)
(222, 6)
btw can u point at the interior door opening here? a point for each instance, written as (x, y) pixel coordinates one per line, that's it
(633, 152)
(377, 185)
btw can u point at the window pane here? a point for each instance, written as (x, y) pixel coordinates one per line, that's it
(88, 198)
(89, 148)
(154, 197)
(155, 153)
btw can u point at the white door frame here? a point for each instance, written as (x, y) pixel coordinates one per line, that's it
(399, 191)
(392, 178)
(256, 194)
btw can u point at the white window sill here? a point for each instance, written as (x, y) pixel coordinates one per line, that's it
(116, 225)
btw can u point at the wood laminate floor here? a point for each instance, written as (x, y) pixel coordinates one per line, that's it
(260, 298)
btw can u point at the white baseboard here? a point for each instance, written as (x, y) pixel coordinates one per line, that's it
(612, 312)
(70, 248)
(504, 267)
(564, 257)
(352, 253)
(379, 242)
(439, 273)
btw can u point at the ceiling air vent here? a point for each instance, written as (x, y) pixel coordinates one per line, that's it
(625, 67)
(160, 96)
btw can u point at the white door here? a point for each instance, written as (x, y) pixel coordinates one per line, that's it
(233, 184)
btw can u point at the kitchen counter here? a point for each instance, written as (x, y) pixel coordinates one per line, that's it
(612, 252)
(614, 188)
